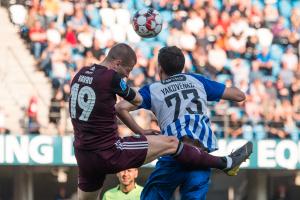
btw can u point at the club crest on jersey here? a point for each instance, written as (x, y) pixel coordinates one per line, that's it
(123, 85)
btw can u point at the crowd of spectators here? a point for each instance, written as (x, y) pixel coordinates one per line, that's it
(252, 44)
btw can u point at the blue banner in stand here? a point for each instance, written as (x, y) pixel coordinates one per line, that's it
(58, 151)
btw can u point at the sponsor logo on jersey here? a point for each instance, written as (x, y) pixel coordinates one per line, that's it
(90, 71)
(123, 85)
(174, 79)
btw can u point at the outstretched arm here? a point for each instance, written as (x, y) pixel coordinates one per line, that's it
(216, 91)
(233, 94)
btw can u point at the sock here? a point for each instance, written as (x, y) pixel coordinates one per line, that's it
(229, 161)
(194, 158)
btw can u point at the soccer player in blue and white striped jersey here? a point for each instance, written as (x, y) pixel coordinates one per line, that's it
(179, 101)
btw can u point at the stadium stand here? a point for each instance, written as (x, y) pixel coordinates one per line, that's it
(256, 49)
(253, 44)
(19, 81)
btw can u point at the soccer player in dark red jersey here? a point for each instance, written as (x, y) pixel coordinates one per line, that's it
(98, 148)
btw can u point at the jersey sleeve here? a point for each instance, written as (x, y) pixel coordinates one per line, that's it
(120, 87)
(145, 93)
(213, 89)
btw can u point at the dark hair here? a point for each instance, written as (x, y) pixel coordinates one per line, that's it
(171, 59)
(122, 52)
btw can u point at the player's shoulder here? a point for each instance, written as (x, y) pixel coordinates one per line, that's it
(198, 77)
(101, 73)
(101, 69)
(111, 191)
(194, 75)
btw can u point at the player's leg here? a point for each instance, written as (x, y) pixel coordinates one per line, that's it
(140, 149)
(90, 177)
(163, 181)
(196, 184)
(137, 150)
(160, 145)
(193, 157)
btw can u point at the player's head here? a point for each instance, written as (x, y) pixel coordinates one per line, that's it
(128, 176)
(122, 57)
(171, 60)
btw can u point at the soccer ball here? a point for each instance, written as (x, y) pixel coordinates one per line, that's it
(147, 22)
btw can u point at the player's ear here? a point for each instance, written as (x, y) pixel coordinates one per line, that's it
(118, 174)
(160, 70)
(117, 62)
(136, 173)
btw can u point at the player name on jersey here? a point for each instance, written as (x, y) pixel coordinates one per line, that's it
(85, 79)
(177, 86)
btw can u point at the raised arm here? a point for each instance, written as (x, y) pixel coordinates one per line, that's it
(123, 108)
(142, 100)
(120, 87)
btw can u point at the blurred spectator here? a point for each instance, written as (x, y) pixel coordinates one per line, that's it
(290, 59)
(93, 16)
(275, 126)
(217, 57)
(38, 36)
(78, 21)
(70, 35)
(265, 62)
(55, 110)
(32, 113)
(32, 108)
(62, 194)
(286, 75)
(281, 193)
(127, 188)
(240, 71)
(282, 91)
(178, 20)
(235, 125)
(53, 34)
(51, 9)
(280, 32)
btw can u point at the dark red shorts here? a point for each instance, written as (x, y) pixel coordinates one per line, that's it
(128, 152)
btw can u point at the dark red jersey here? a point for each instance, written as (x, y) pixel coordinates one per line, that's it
(92, 106)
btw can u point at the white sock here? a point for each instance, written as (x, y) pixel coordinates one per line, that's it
(229, 161)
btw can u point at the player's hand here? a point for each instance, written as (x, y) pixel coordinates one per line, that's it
(150, 132)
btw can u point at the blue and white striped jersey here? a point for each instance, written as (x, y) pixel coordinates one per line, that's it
(180, 105)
